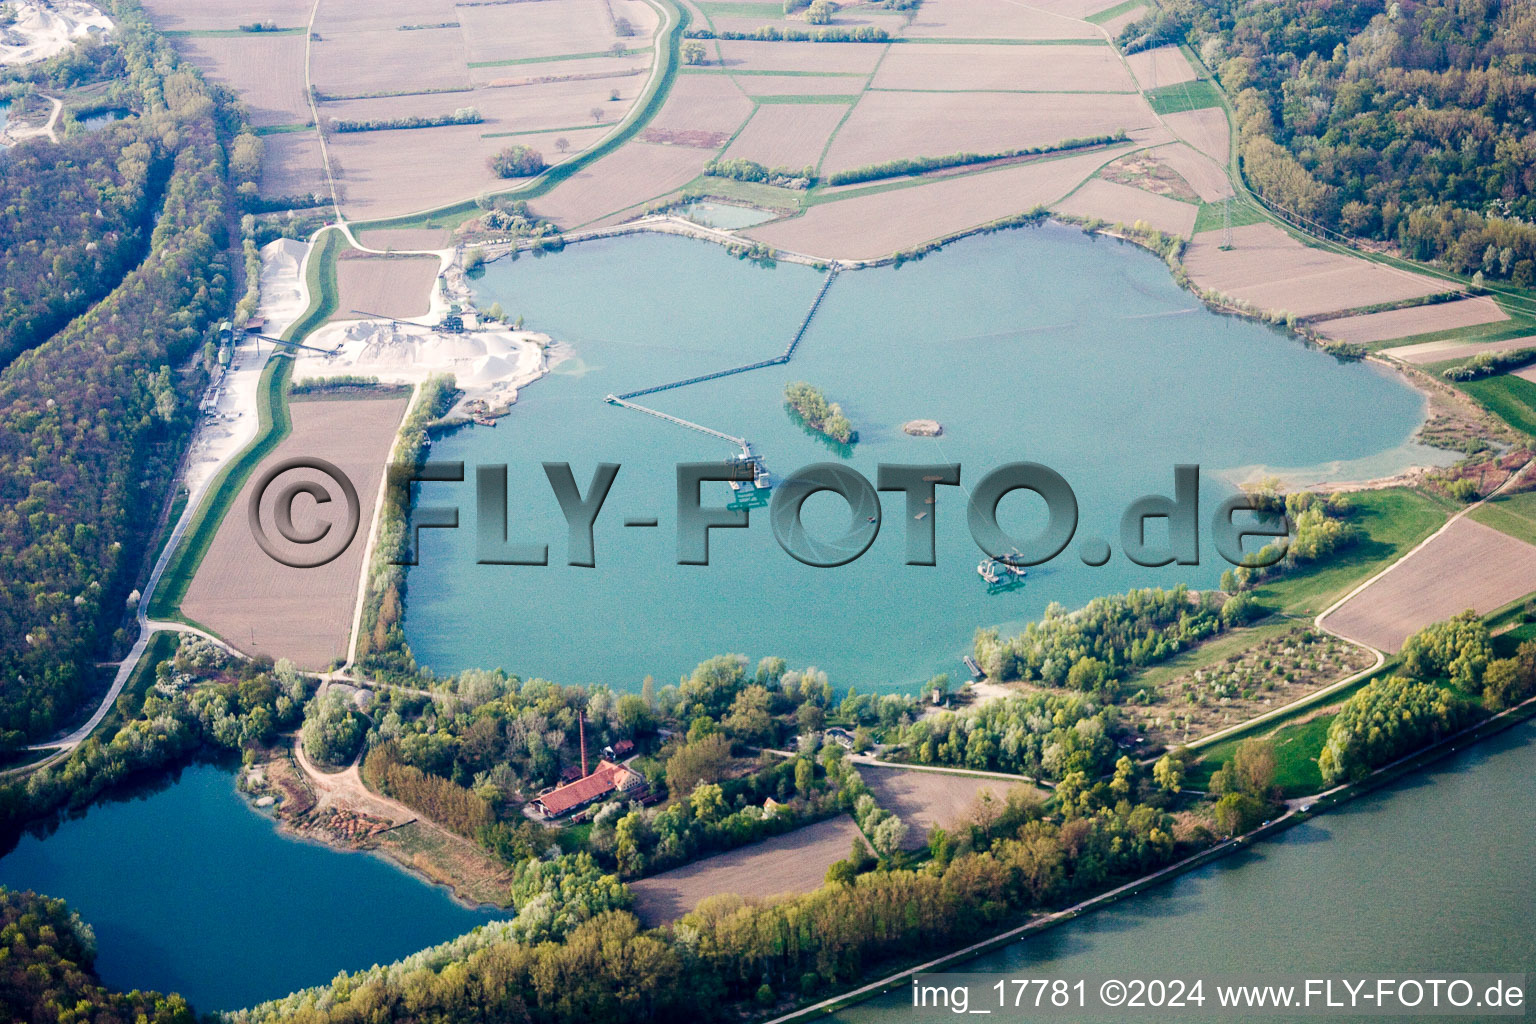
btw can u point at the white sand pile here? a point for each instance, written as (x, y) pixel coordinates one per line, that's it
(283, 295)
(42, 28)
(489, 365)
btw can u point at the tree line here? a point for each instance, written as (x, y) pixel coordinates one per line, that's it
(92, 421)
(1404, 123)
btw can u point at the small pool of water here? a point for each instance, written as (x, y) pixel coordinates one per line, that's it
(192, 890)
(724, 216)
(99, 120)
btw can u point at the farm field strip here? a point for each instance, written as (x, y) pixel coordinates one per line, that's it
(988, 19)
(1403, 323)
(1273, 271)
(1116, 203)
(1161, 66)
(1013, 68)
(1428, 352)
(794, 862)
(893, 125)
(786, 135)
(1469, 565)
(1206, 130)
(878, 222)
(926, 799)
(263, 607)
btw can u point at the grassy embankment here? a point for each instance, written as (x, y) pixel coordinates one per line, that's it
(273, 425)
(667, 51)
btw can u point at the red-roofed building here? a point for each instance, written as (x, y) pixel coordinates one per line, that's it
(608, 778)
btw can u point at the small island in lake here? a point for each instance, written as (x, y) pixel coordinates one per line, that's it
(817, 413)
(923, 428)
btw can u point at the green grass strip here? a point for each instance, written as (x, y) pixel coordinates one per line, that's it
(1175, 99)
(642, 115)
(161, 647)
(1111, 13)
(1212, 215)
(1514, 515)
(513, 62)
(273, 425)
(793, 99)
(549, 131)
(283, 129)
(1511, 398)
(223, 33)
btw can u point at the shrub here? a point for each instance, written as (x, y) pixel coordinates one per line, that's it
(517, 162)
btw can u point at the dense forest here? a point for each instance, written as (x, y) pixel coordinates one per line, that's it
(74, 217)
(93, 418)
(1405, 121)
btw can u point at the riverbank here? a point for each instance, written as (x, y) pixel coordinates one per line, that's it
(1298, 811)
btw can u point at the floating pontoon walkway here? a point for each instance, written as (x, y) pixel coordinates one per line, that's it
(789, 353)
(740, 442)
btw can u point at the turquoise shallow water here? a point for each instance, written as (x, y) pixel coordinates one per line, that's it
(192, 890)
(1039, 344)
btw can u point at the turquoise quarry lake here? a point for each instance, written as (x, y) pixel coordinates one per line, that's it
(1041, 344)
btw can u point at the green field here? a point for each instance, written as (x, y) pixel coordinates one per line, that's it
(1514, 515)
(273, 426)
(1511, 398)
(1394, 520)
(1296, 750)
(1212, 216)
(1111, 13)
(741, 9)
(1175, 99)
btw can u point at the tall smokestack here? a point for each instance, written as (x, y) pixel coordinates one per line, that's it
(581, 729)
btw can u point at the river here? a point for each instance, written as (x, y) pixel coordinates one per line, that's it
(1431, 874)
(1041, 344)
